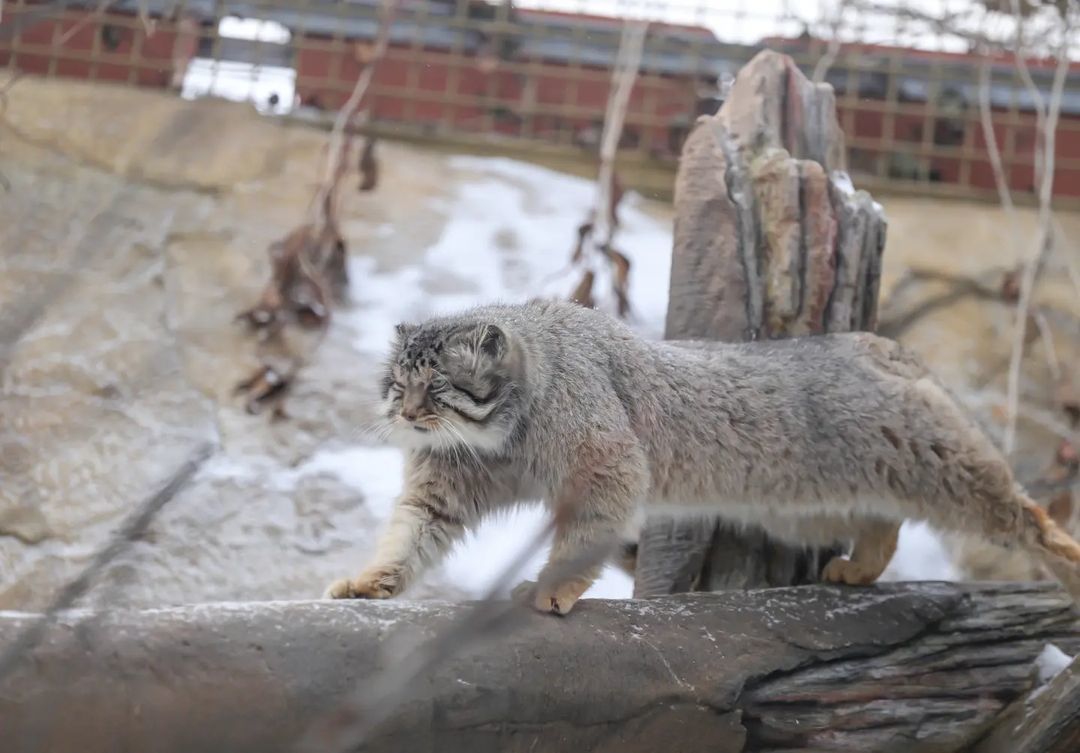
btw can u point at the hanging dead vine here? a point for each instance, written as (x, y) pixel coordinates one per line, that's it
(595, 247)
(308, 271)
(1047, 114)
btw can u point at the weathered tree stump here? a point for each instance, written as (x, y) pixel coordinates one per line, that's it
(770, 241)
(893, 668)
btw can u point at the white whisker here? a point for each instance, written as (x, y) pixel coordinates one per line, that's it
(463, 443)
(378, 428)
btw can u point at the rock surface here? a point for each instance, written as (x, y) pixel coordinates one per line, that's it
(127, 245)
(891, 668)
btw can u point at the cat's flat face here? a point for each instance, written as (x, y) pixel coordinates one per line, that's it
(449, 388)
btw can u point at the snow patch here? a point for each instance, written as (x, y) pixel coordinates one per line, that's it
(510, 228)
(1050, 662)
(374, 471)
(920, 555)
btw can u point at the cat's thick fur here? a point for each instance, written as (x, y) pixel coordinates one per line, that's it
(818, 439)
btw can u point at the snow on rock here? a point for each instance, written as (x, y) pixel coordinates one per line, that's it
(1051, 661)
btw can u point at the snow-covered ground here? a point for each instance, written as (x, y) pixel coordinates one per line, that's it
(509, 228)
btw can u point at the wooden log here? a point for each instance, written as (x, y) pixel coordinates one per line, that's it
(913, 668)
(770, 241)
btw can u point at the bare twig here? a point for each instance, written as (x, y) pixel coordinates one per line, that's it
(132, 529)
(1046, 335)
(1037, 99)
(15, 76)
(895, 321)
(1051, 423)
(308, 267)
(143, 9)
(825, 62)
(1066, 253)
(1049, 121)
(601, 223)
(345, 728)
(338, 145)
(624, 78)
(349, 726)
(994, 153)
(946, 23)
(98, 12)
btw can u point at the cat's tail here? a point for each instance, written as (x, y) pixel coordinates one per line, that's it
(1052, 546)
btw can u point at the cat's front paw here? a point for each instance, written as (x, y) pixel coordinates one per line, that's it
(372, 584)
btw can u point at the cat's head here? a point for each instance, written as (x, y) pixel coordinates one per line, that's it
(452, 386)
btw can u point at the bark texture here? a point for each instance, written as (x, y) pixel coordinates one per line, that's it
(770, 241)
(913, 668)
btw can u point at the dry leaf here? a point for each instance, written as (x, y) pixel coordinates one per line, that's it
(582, 294)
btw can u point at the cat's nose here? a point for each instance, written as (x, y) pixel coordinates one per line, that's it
(409, 414)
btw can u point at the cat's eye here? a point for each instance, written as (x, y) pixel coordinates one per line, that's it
(438, 382)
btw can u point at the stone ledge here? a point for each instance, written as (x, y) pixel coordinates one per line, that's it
(924, 666)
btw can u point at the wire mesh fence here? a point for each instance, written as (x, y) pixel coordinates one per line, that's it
(474, 70)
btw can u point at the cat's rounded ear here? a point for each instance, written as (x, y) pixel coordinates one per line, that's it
(494, 342)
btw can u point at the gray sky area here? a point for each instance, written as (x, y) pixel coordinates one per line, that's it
(880, 22)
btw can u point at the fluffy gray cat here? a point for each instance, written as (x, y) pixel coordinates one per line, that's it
(828, 439)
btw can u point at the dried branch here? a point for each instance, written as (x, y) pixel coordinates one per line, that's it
(946, 23)
(1037, 99)
(369, 166)
(1049, 121)
(991, 285)
(603, 220)
(825, 62)
(143, 10)
(339, 139)
(1066, 254)
(350, 725)
(1047, 338)
(625, 75)
(15, 76)
(308, 267)
(82, 23)
(347, 727)
(990, 137)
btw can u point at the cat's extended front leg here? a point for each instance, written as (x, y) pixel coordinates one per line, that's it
(421, 530)
(592, 515)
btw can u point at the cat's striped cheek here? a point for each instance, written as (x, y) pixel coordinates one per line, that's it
(469, 409)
